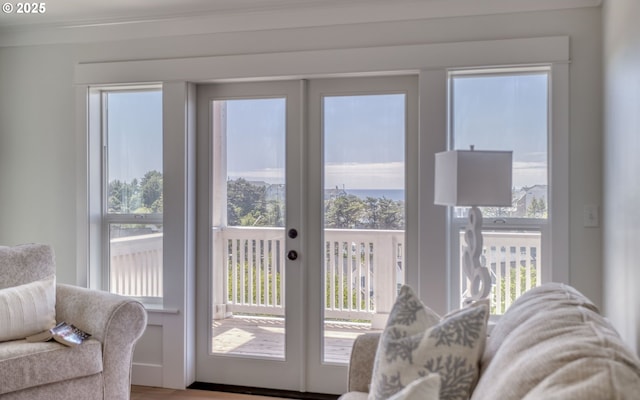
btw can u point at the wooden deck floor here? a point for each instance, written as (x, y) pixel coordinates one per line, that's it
(264, 336)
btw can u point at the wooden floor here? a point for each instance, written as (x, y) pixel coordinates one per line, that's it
(262, 336)
(151, 393)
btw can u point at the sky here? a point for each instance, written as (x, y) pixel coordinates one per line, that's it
(134, 126)
(363, 141)
(363, 135)
(505, 113)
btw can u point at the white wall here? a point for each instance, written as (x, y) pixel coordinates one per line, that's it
(37, 151)
(38, 133)
(622, 166)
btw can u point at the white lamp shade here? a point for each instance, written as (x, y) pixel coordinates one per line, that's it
(473, 178)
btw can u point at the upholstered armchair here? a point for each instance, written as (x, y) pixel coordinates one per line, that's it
(30, 301)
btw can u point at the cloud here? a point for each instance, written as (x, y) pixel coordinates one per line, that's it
(529, 173)
(388, 175)
(349, 175)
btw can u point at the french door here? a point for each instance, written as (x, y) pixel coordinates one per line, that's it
(304, 214)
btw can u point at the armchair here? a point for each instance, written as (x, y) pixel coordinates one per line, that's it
(99, 368)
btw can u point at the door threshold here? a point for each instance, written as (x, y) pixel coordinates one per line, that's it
(287, 394)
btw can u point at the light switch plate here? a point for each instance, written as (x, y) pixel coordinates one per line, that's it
(591, 217)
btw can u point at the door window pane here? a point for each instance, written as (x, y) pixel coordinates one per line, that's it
(249, 265)
(364, 161)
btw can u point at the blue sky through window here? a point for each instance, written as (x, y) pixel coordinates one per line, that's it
(363, 149)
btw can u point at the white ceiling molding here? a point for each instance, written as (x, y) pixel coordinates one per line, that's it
(317, 63)
(187, 17)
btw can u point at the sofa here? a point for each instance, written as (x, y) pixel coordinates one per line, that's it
(552, 343)
(30, 302)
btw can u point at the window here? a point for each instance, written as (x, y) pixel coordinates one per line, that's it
(506, 109)
(132, 193)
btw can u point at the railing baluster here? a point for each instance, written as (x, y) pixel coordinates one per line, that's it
(274, 268)
(350, 266)
(368, 271)
(265, 272)
(283, 276)
(358, 281)
(250, 267)
(331, 273)
(259, 267)
(518, 276)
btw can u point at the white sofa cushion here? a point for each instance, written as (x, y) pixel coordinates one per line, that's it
(426, 388)
(552, 344)
(27, 309)
(416, 342)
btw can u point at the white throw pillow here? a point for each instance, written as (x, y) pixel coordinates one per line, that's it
(416, 342)
(27, 309)
(427, 388)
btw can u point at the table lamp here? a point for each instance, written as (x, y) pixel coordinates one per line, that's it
(474, 178)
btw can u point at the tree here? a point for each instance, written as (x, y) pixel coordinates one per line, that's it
(123, 197)
(537, 208)
(344, 212)
(151, 191)
(245, 202)
(383, 213)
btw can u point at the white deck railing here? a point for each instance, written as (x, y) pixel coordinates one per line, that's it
(360, 267)
(136, 265)
(514, 261)
(363, 269)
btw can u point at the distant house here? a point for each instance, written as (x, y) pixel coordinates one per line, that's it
(524, 198)
(334, 193)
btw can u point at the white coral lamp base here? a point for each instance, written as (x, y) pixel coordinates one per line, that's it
(474, 269)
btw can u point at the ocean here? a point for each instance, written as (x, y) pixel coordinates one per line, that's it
(393, 194)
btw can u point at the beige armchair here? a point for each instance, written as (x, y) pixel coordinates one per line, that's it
(99, 368)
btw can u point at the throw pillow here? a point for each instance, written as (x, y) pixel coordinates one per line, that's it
(427, 388)
(27, 309)
(416, 342)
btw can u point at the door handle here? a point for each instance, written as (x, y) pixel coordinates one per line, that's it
(292, 233)
(292, 255)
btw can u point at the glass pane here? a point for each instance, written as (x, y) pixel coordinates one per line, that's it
(135, 252)
(507, 112)
(249, 317)
(512, 257)
(134, 143)
(364, 161)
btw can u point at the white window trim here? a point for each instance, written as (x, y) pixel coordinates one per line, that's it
(431, 60)
(435, 233)
(97, 275)
(544, 226)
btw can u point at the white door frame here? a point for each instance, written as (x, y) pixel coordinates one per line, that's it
(324, 377)
(228, 369)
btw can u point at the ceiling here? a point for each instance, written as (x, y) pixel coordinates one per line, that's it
(92, 12)
(71, 12)
(85, 21)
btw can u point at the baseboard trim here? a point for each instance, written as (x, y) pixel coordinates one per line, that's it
(287, 394)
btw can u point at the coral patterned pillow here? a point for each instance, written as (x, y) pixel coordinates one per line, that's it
(416, 343)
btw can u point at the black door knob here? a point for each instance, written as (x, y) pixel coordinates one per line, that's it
(293, 233)
(292, 255)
